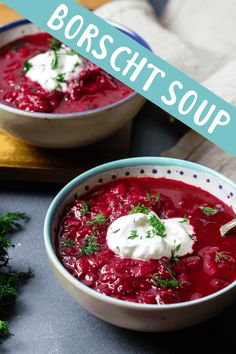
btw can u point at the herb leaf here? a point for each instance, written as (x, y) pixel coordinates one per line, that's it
(4, 329)
(166, 283)
(139, 208)
(209, 211)
(84, 208)
(220, 257)
(184, 220)
(68, 243)
(60, 78)
(26, 67)
(133, 235)
(158, 226)
(174, 258)
(90, 245)
(9, 280)
(100, 219)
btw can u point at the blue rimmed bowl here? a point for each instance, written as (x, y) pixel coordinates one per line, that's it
(140, 317)
(54, 130)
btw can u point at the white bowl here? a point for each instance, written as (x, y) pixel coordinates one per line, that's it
(140, 317)
(65, 130)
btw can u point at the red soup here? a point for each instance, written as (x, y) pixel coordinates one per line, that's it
(39, 74)
(83, 248)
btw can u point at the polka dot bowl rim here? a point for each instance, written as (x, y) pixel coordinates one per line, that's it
(70, 190)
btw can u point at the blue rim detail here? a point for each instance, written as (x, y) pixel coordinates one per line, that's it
(39, 115)
(148, 161)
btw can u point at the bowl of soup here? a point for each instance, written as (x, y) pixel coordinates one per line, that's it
(50, 96)
(137, 242)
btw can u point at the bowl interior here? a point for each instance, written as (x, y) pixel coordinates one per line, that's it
(17, 29)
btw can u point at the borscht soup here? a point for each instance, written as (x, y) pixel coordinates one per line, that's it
(148, 241)
(40, 74)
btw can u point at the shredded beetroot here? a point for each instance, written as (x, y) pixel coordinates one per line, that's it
(211, 267)
(94, 89)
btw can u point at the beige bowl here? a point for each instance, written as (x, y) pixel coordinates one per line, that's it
(140, 317)
(65, 130)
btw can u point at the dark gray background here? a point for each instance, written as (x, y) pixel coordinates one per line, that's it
(47, 320)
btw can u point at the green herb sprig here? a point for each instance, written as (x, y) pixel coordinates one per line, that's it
(139, 208)
(158, 226)
(209, 211)
(165, 283)
(90, 245)
(9, 279)
(100, 219)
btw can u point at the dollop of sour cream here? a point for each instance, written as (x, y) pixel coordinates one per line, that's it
(52, 70)
(133, 236)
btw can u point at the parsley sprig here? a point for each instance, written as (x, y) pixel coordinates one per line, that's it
(174, 257)
(165, 283)
(100, 219)
(85, 207)
(220, 257)
(26, 67)
(209, 211)
(158, 226)
(139, 208)
(133, 235)
(90, 245)
(55, 47)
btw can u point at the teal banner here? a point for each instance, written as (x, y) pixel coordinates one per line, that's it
(136, 66)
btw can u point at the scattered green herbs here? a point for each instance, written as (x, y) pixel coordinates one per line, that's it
(149, 234)
(60, 78)
(158, 226)
(174, 258)
(26, 67)
(220, 257)
(133, 235)
(139, 208)
(90, 245)
(9, 279)
(85, 207)
(209, 211)
(100, 219)
(165, 283)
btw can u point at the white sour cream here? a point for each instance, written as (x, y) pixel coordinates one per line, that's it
(132, 236)
(69, 65)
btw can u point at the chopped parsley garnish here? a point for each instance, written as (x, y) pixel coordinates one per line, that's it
(166, 283)
(100, 219)
(26, 67)
(84, 208)
(209, 211)
(60, 78)
(139, 208)
(219, 257)
(133, 235)
(185, 220)
(55, 47)
(90, 245)
(158, 226)
(68, 243)
(149, 234)
(174, 258)
(148, 198)
(115, 232)
(152, 199)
